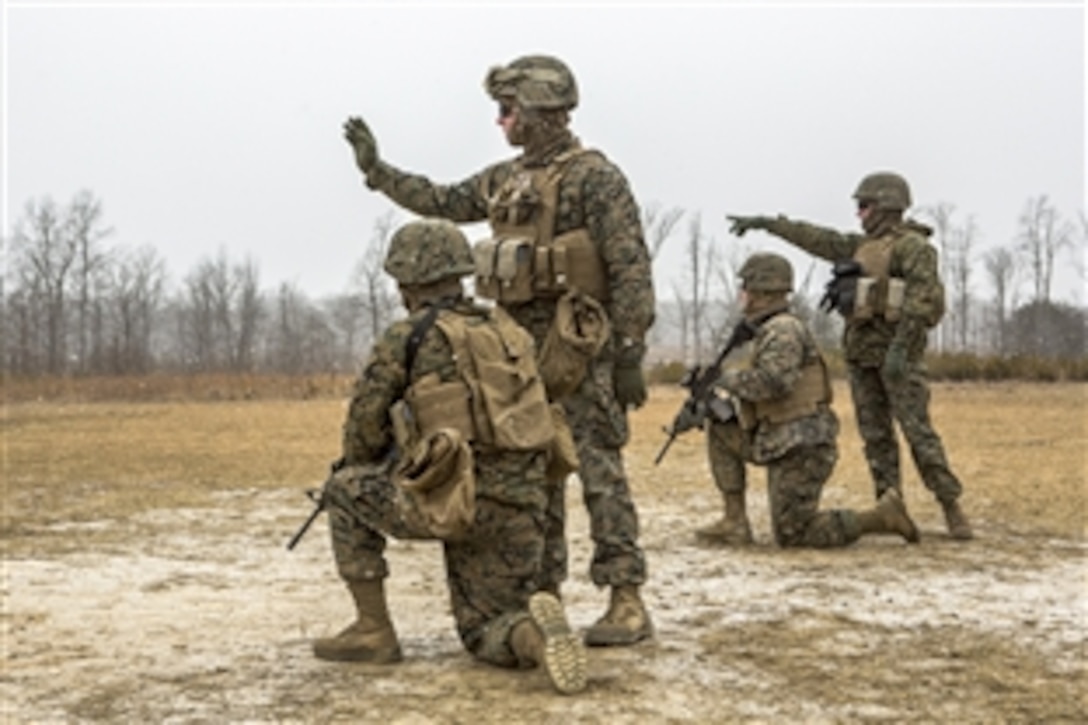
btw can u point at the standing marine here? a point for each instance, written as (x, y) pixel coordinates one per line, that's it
(566, 244)
(421, 461)
(889, 291)
(777, 414)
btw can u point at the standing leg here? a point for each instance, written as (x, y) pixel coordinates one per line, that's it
(910, 403)
(873, 411)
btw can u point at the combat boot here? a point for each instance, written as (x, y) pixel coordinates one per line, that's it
(889, 517)
(958, 526)
(546, 640)
(733, 528)
(371, 637)
(625, 622)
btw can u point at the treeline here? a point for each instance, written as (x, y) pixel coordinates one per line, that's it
(75, 305)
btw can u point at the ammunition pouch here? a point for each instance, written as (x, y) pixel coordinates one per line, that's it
(812, 390)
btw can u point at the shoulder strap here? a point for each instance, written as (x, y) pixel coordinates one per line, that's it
(415, 338)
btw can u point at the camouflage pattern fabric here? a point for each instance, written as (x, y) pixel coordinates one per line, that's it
(878, 401)
(799, 454)
(594, 195)
(493, 572)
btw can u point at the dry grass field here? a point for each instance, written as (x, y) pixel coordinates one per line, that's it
(146, 580)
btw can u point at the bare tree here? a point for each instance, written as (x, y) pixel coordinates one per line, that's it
(44, 256)
(83, 225)
(221, 314)
(940, 215)
(370, 282)
(658, 225)
(1000, 265)
(958, 265)
(1043, 235)
(131, 302)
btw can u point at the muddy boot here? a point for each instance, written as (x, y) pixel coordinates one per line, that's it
(625, 622)
(733, 528)
(889, 517)
(371, 637)
(958, 526)
(545, 639)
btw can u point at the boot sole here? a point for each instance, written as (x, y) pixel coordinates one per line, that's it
(564, 655)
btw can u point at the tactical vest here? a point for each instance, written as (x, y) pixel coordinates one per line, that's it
(523, 259)
(812, 390)
(878, 294)
(498, 401)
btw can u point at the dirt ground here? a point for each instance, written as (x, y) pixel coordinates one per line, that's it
(196, 613)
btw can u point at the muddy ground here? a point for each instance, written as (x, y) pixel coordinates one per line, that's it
(200, 615)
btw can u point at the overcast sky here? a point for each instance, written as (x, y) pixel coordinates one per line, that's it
(214, 127)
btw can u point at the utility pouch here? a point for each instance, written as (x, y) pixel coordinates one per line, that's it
(439, 405)
(864, 303)
(405, 432)
(439, 476)
(577, 334)
(504, 268)
(893, 306)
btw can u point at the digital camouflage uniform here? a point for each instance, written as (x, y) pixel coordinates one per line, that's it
(870, 344)
(493, 571)
(785, 423)
(491, 574)
(799, 454)
(594, 195)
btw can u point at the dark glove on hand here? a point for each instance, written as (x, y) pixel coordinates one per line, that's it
(690, 416)
(895, 363)
(738, 225)
(627, 380)
(362, 141)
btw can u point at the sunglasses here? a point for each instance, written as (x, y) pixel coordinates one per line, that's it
(864, 204)
(506, 110)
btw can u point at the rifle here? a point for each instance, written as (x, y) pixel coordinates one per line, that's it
(700, 381)
(318, 497)
(320, 504)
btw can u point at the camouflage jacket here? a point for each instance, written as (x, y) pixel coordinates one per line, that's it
(781, 347)
(514, 477)
(594, 195)
(913, 259)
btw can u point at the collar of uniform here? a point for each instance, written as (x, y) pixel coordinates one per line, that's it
(550, 150)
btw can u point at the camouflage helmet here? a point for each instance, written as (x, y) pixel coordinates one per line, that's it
(888, 190)
(535, 82)
(767, 272)
(426, 251)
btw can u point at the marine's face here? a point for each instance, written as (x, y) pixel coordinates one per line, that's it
(508, 121)
(866, 207)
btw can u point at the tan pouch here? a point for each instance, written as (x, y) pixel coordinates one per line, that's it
(436, 405)
(893, 306)
(483, 252)
(440, 477)
(563, 454)
(514, 269)
(864, 306)
(579, 330)
(581, 267)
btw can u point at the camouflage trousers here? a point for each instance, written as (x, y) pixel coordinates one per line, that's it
(491, 574)
(876, 404)
(794, 484)
(600, 431)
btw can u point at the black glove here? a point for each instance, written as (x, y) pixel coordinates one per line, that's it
(738, 225)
